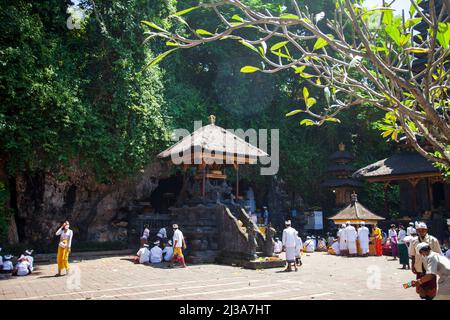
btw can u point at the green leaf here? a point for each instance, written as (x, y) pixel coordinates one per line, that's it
(305, 93)
(172, 44)
(394, 33)
(388, 17)
(417, 50)
(180, 13)
(289, 16)
(203, 32)
(411, 22)
(249, 45)
(249, 69)
(152, 25)
(310, 102)
(278, 45)
(280, 54)
(299, 69)
(331, 119)
(237, 18)
(294, 112)
(306, 75)
(307, 122)
(443, 34)
(159, 58)
(404, 39)
(320, 43)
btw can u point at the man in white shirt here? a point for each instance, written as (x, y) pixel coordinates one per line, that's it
(8, 266)
(351, 234)
(22, 267)
(363, 237)
(143, 255)
(28, 255)
(156, 253)
(289, 243)
(278, 247)
(410, 230)
(418, 262)
(309, 245)
(178, 243)
(168, 251)
(342, 237)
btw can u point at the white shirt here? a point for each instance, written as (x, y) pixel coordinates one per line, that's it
(143, 254)
(363, 235)
(8, 265)
(298, 244)
(168, 253)
(289, 237)
(178, 238)
(31, 261)
(309, 245)
(401, 236)
(351, 234)
(162, 233)
(146, 233)
(342, 235)
(22, 268)
(278, 247)
(156, 255)
(254, 218)
(392, 233)
(410, 230)
(65, 236)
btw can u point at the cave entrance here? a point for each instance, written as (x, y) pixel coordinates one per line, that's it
(166, 194)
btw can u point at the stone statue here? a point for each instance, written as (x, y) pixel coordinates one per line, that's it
(269, 242)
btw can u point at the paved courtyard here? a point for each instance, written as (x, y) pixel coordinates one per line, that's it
(321, 277)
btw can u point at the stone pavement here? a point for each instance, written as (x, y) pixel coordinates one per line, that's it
(321, 277)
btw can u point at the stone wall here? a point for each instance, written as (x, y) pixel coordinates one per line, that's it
(97, 212)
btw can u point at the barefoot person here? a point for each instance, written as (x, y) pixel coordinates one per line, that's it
(64, 247)
(363, 237)
(178, 243)
(289, 243)
(435, 265)
(378, 240)
(418, 262)
(393, 240)
(403, 248)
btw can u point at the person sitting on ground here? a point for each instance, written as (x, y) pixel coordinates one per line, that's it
(143, 255)
(278, 247)
(321, 245)
(23, 267)
(334, 248)
(8, 266)
(309, 245)
(29, 255)
(168, 251)
(156, 253)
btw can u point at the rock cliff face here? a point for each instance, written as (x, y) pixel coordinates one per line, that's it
(97, 212)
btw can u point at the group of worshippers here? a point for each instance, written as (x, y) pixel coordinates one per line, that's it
(428, 263)
(24, 265)
(163, 250)
(347, 235)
